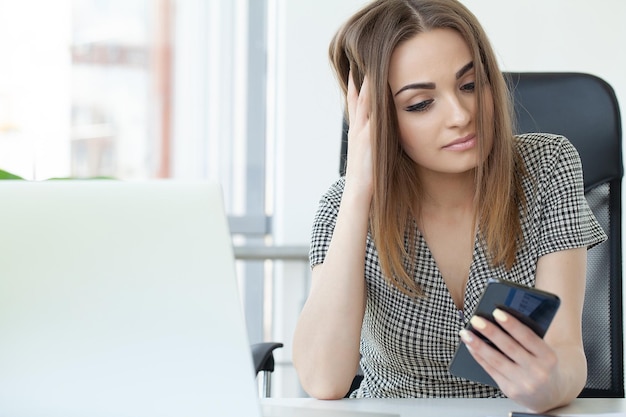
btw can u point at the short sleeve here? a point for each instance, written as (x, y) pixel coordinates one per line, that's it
(567, 221)
(324, 222)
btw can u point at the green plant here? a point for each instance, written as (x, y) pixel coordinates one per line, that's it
(4, 175)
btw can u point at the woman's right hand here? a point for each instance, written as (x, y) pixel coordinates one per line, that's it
(359, 170)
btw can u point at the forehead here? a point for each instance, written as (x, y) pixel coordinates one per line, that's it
(428, 56)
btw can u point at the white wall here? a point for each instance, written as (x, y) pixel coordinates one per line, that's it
(559, 35)
(309, 111)
(528, 35)
(308, 132)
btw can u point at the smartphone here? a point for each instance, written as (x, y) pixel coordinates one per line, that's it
(535, 308)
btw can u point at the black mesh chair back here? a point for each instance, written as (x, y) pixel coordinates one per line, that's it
(583, 108)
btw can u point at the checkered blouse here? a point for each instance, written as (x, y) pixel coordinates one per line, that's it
(407, 344)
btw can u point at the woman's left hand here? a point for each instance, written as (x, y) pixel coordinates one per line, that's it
(526, 369)
(540, 374)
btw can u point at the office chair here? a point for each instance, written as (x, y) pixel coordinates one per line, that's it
(584, 109)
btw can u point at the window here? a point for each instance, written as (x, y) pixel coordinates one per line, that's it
(120, 74)
(142, 89)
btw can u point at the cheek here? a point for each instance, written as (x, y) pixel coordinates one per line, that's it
(407, 134)
(413, 140)
(413, 131)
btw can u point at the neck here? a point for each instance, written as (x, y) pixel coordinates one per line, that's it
(448, 204)
(448, 192)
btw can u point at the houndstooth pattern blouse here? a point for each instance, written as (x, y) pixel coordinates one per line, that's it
(407, 344)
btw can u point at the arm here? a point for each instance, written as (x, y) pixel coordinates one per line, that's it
(327, 335)
(542, 373)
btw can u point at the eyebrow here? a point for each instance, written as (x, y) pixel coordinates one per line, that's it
(431, 86)
(464, 70)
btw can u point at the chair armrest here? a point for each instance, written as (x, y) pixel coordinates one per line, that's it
(263, 357)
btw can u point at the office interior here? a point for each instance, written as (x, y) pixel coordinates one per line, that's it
(240, 91)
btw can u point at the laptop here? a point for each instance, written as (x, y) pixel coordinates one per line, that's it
(120, 299)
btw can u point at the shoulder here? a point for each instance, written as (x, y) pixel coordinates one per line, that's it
(324, 222)
(332, 196)
(542, 144)
(541, 151)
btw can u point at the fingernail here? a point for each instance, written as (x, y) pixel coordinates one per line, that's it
(466, 336)
(499, 315)
(478, 322)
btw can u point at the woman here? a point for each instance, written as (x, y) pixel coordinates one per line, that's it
(438, 197)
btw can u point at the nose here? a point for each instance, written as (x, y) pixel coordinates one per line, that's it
(460, 111)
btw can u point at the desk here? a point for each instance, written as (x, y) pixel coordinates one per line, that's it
(425, 407)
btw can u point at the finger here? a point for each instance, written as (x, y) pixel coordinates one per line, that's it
(358, 104)
(493, 361)
(363, 104)
(524, 335)
(498, 375)
(352, 98)
(508, 345)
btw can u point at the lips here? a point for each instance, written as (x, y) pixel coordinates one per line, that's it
(462, 143)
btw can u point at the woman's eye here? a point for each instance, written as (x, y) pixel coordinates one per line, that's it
(421, 106)
(468, 86)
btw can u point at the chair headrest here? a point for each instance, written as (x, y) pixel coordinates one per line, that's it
(581, 107)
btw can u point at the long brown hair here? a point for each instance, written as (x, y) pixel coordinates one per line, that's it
(365, 44)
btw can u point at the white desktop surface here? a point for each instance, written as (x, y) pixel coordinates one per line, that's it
(427, 407)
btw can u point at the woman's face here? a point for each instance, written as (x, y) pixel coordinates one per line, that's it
(432, 80)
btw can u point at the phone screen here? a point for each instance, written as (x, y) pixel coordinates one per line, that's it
(536, 310)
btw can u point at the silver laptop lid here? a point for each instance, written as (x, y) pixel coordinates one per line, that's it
(120, 299)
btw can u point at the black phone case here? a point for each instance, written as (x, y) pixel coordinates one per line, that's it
(531, 306)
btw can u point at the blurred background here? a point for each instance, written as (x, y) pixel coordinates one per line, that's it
(239, 91)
